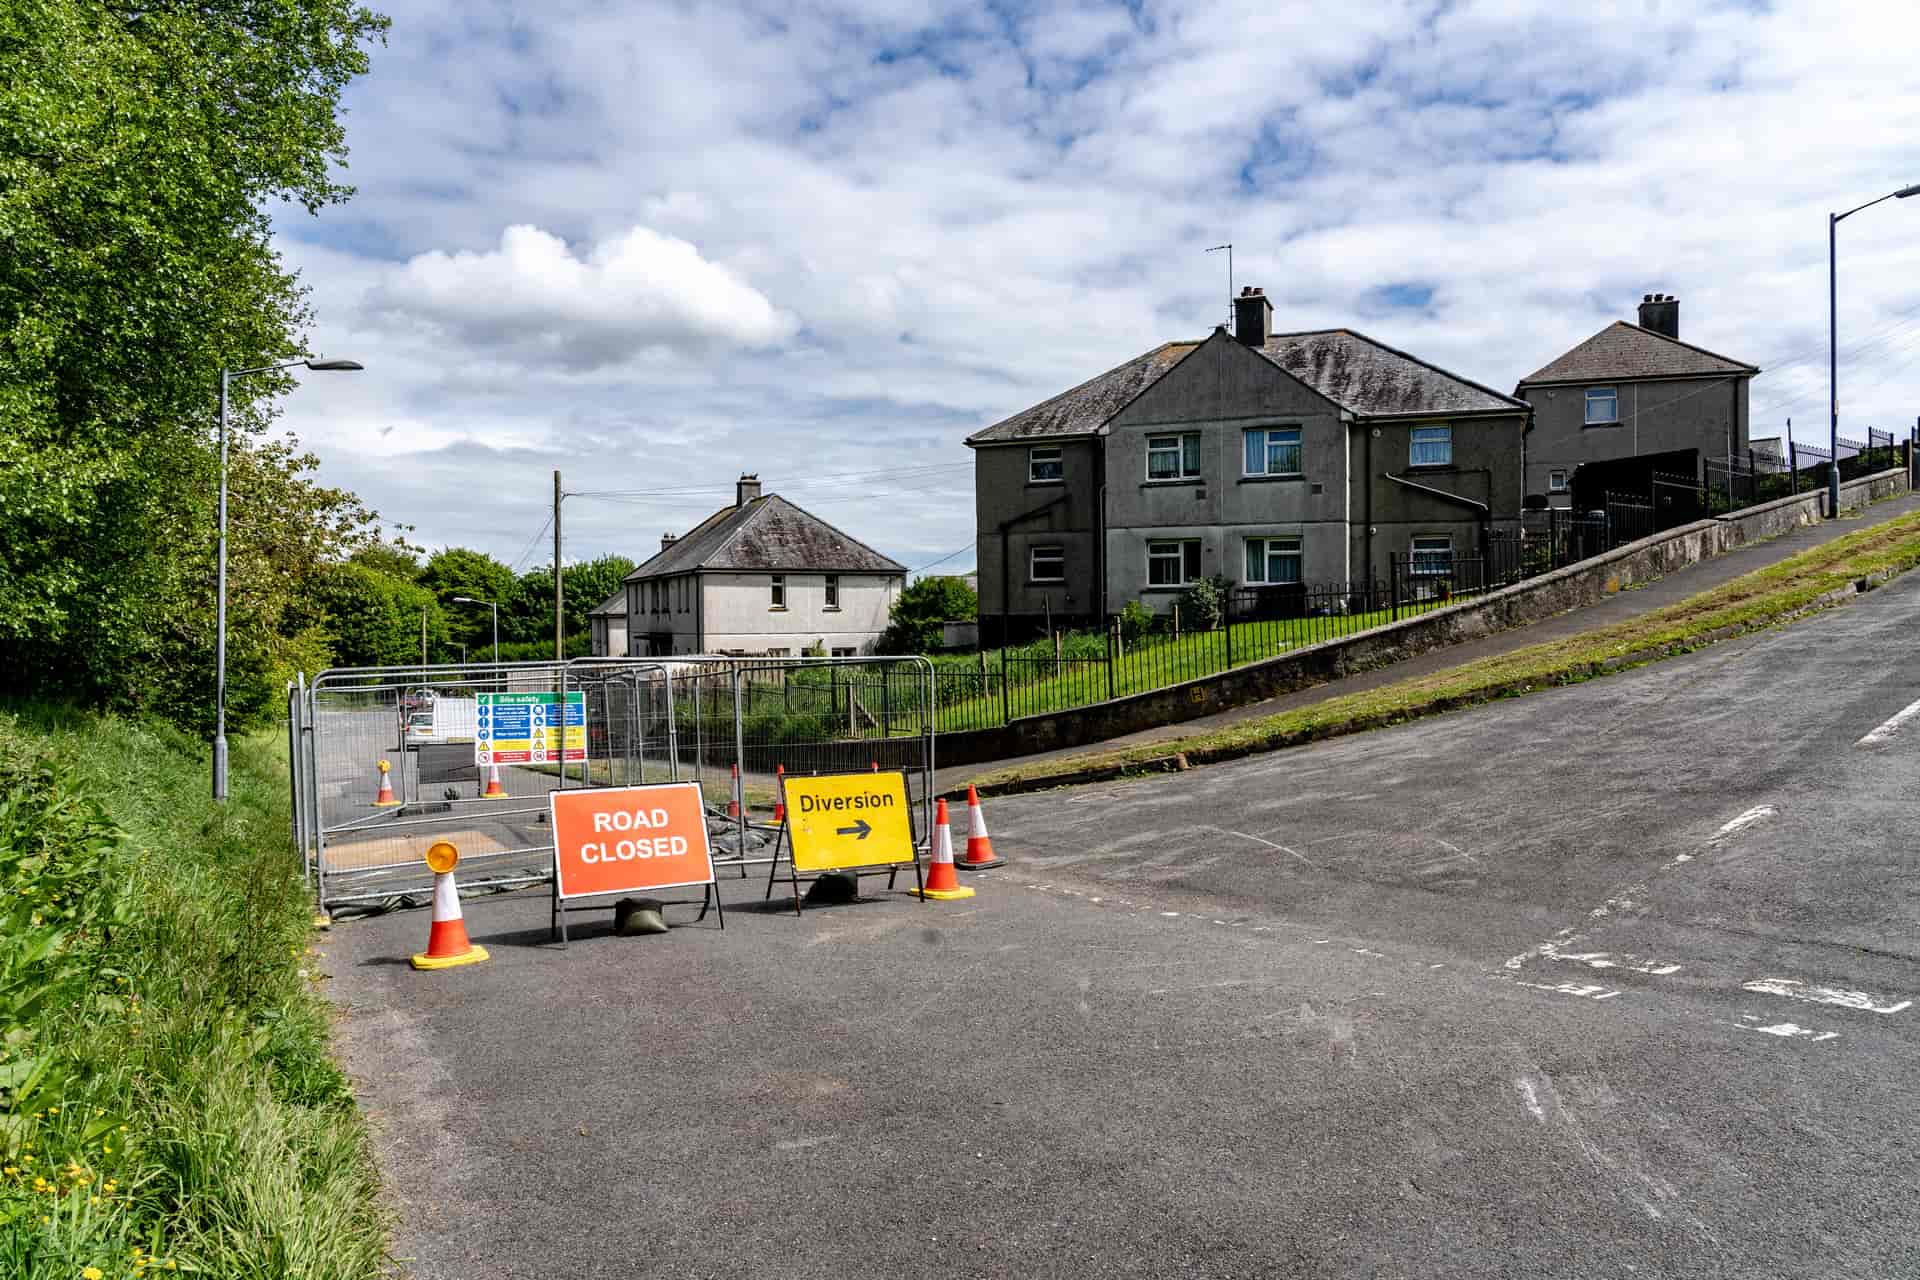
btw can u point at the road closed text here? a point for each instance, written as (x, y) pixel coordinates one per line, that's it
(620, 839)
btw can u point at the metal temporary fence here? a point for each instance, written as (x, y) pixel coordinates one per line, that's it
(639, 720)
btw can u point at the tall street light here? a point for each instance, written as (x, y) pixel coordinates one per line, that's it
(1833, 355)
(496, 621)
(220, 660)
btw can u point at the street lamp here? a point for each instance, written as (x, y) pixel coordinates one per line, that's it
(496, 621)
(1833, 355)
(220, 642)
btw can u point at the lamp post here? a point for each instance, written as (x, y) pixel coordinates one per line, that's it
(496, 621)
(220, 607)
(1833, 353)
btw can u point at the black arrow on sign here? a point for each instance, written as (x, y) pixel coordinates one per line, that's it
(858, 830)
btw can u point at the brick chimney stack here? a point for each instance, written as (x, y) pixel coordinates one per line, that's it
(1252, 317)
(746, 489)
(668, 539)
(1660, 312)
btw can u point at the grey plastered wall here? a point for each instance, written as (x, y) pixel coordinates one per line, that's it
(1065, 514)
(1569, 588)
(1486, 468)
(1655, 416)
(1219, 391)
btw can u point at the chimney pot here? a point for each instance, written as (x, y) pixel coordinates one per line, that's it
(746, 489)
(668, 539)
(1660, 312)
(1252, 317)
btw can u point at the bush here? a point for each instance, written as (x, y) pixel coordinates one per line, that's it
(1203, 606)
(1136, 620)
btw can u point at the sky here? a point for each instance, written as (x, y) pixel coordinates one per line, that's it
(656, 245)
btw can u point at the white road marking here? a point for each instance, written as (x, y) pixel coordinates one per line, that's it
(1607, 960)
(1796, 990)
(1262, 840)
(1890, 726)
(1744, 821)
(1531, 1097)
(1785, 1030)
(1573, 989)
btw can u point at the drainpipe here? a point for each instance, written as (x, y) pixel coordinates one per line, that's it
(1483, 512)
(1002, 529)
(1367, 457)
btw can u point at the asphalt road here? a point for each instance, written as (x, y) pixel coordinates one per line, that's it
(1613, 980)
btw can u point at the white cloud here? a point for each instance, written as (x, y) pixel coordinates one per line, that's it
(533, 300)
(901, 220)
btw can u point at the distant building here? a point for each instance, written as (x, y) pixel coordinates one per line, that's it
(1633, 389)
(1264, 458)
(760, 577)
(608, 624)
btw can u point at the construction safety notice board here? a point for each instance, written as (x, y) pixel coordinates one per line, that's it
(629, 839)
(530, 728)
(848, 820)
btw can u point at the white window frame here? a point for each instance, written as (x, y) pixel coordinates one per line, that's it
(1557, 480)
(1041, 455)
(1186, 460)
(1267, 444)
(1185, 561)
(1445, 441)
(1274, 545)
(1427, 569)
(778, 653)
(1609, 393)
(777, 591)
(833, 591)
(845, 651)
(1054, 551)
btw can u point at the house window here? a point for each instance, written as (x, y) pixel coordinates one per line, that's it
(1432, 447)
(1556, 482)
(1273, 451)
(1173, 563)
(833, 591)
(1044, 465)
(1173, 457)
(1047, 564)
(846, 652)
(1603, 406)
(777, 598)
(653, 597)
(1273, 560)
(776, 653)
(1432, 554)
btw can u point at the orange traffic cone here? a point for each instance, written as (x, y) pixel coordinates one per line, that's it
(385, 799)
(447, 944)
(980, 853)
(733, 796)
(495, 791)
(941, 882)
(875, 764)
(779, 794)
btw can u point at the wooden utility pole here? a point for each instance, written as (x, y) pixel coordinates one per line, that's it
(559, 623)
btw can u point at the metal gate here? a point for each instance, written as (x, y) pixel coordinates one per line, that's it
(706, 719)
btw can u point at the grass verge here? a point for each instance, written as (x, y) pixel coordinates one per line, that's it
(167, 1101)
(1815, 579)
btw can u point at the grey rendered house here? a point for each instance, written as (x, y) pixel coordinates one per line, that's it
(760, 577)
(1264, 458)
(607, 622)
(1633, 389)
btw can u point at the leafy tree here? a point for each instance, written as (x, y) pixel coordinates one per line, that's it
(588, 585)
(458, 571)
(373, 619)
(914, 621)
(395, 559)
(143, 150)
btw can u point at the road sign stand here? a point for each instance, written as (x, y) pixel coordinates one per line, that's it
(824, 860)
(592, 860)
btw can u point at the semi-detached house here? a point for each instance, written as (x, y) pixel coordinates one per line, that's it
(761, 577)
(1259, 457)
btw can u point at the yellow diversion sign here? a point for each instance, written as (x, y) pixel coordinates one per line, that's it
(848, 820)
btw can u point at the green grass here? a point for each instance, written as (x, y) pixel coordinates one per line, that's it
(1764, 598)
(164, 1066)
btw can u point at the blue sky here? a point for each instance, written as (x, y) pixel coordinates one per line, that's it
(656, 245)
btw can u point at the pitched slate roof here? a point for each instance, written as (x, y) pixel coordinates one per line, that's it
(614, 606)
(1623, 351)
(1085, 409)
(1373, 380)
(1358, 373)
(768, 535)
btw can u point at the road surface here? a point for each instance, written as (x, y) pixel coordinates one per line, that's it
(1614, 980)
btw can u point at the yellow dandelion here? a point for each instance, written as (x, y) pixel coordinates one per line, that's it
(53, 1111)
(91, 1273)
(9, 1169)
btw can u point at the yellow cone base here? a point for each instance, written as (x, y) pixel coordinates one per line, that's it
(387, 804)
(501, 796)
(475, 956)
(943, 895)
